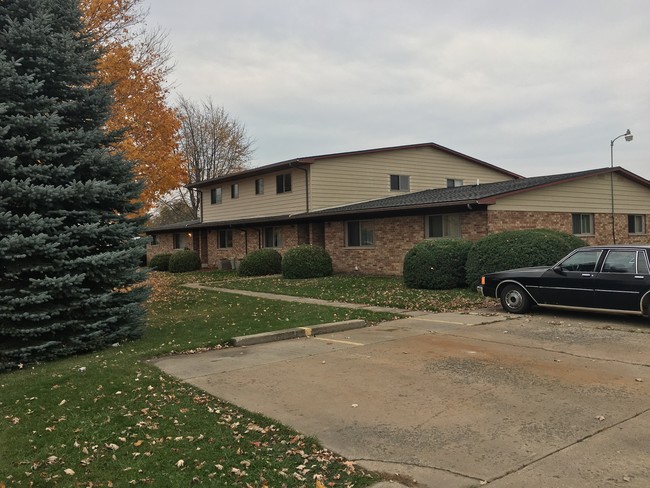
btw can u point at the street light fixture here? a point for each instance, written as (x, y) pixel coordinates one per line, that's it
(628, 137)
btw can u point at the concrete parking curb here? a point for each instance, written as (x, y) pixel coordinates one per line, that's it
(297, 332)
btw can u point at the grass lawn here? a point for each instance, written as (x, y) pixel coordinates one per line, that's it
(373, 290)
(109, 419)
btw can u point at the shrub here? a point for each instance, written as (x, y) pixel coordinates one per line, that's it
(518, 249)
(160, 262)
(184, 261)
(306, 261)
(436, 264)
(261, 262)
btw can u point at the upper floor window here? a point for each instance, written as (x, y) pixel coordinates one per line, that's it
(453, 183)
(583, 224)
(215, 195)
(234, 190)
(447, 225)
(259, 186)
(283, 183)
(400, 182)
(271, 237)
(636, 224)
(225, 239)
(359, 233)
(154, 239)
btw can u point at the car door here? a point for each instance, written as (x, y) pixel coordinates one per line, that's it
(623, 279)
(571, 282)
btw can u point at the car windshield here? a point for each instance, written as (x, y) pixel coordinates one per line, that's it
(581, 261)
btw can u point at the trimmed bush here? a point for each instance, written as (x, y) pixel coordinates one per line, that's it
(518, 249)
(261, 262)
(160, 262)
(436, 264)
(306, 261)
(184, 261)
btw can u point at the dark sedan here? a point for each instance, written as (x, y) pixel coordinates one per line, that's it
(599, 278)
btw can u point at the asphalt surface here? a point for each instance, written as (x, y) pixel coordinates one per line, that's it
(458, 400)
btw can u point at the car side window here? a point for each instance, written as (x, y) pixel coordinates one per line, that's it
(642, 267)
(620, 262)
(581, 261)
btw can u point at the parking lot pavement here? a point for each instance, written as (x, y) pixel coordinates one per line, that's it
(457, 400)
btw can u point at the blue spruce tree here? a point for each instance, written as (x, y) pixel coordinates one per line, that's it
(69, 253)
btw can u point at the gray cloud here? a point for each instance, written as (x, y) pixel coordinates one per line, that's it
(533, 86)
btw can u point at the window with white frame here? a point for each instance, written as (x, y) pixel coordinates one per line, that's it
(225, 239)
(271, 237)
(583, 223)
(234, 190)
(636, 224)
(360, 233)
(445, 225)
(259, 186)
(215, 196)
(400, 182)
(453, 182)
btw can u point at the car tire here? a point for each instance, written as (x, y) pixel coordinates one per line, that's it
(514, 299)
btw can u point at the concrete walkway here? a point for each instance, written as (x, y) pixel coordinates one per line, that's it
(312, 301)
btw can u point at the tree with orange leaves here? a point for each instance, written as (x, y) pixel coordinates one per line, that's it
(136, 62)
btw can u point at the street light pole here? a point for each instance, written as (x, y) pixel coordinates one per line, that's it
(628, 137)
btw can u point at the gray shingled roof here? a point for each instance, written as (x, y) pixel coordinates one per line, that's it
(460, 194)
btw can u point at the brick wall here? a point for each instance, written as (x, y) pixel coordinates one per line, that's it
(393, 238)
(562, 221)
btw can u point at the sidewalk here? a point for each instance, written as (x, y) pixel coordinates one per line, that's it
(312, 301)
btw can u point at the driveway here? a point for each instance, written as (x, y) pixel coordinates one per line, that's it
(458, 400)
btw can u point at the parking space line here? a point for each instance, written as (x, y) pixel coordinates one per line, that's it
(338, 341)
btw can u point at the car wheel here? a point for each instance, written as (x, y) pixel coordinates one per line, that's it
(514, 299)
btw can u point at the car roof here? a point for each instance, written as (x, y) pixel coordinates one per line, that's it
(618, 246)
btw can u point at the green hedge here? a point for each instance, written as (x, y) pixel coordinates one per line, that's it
(518, 249)
(261, 262)
(436, 264)
(306, 261)
(160, 262)
(184, 261)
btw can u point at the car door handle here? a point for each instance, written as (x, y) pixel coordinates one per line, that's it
(587, 275)
(638, 277)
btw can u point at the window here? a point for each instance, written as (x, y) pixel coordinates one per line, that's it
(234, 190)
(179, 240)
(215, 196)
(581, 261)
(154, 239)
(636, 224)
(359, 233)
(620, 262)
(225, 239)
(400, 182)
(283, 183)
(583, 224)
(259, 186)
(453, 183)
(271, 237)
(442, 226)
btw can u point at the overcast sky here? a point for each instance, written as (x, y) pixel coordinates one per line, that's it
(536, 87)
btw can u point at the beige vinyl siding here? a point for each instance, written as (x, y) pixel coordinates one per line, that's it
(366, 176)
(250, 205)
(587, 195)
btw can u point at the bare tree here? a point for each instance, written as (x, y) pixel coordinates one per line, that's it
(212, 144)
